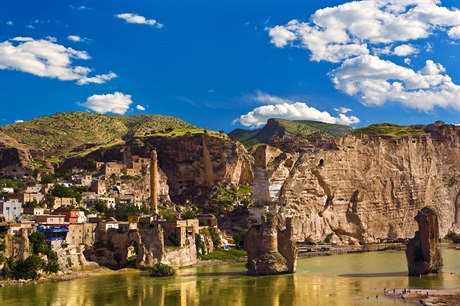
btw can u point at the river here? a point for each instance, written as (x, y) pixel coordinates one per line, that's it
(350, 279)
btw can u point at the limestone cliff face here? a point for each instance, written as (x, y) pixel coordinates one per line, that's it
(15, 158)
(370, 188)
(196, 163)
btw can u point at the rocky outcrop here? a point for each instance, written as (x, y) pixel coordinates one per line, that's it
(271, 249)
(196, 163)
(16, 158)
(423, 251)
(368, 189)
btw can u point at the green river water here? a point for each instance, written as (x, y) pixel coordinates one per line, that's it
(350, 279)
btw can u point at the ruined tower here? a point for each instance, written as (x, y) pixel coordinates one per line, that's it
(153, 183)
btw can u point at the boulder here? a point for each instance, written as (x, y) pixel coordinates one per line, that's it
(423, 251)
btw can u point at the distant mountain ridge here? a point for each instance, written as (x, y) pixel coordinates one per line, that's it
(287, 128)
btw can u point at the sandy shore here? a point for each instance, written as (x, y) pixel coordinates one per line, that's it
(427, 296)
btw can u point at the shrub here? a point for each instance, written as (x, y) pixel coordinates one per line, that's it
(239, 238)
(189, 214)
(160, 270)
(52, 266)
(38, 243)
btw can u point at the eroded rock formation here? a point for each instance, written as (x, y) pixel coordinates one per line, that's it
(423, 251)
(270, 248)
(368, 189)
(15, 158)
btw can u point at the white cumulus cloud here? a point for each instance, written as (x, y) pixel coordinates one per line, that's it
(46, 58)
(140, 107)
(405, 50)
(10, 23)
(375, 81)
(116, 103)
(18, 121)
(336, 33)
(288, 109)
(454, 32)
(135, 18)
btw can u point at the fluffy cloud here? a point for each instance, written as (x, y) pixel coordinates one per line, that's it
(375, 81)
(336, 33)
(454, 32)
(18, 121)
(140, 107)
(288, 109)
(405, 50)
(10, 23)
(134, 18)
(346, 33)
(294, 111)
(116, 103)
(46, 58)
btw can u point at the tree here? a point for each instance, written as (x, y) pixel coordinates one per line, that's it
(90, 165)
(38, 243)
(101, 206)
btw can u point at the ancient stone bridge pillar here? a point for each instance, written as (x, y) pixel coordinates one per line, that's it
(423, 251)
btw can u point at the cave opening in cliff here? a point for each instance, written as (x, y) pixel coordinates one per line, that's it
(321, 162)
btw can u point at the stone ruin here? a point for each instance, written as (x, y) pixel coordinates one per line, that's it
(271, 249)
(270, 245)
(423, 251)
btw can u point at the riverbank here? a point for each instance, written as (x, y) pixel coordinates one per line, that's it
(428, 297)
(59, 277)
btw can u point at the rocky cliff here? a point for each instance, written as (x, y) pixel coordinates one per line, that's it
(370, 188)
(16, 158)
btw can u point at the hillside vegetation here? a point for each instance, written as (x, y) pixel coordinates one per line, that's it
(388, 130)
(63, 133)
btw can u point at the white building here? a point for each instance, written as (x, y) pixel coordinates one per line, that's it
(11, 210)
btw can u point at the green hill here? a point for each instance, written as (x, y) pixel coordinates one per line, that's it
(63, 133)
(388, 130)
(287, 128)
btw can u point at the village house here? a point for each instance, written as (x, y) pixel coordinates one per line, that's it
(58, 202)
(82, 180)
(27, 197)
(10, 209)
(51, 219)
(176, 232)
(33, 189)
(98, 186)
(71, 215)
(34, 211)
(81, 233)
(8, 190)
(25, 227)
(113, 168)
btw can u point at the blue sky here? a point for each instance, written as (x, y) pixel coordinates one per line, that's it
(229, 64)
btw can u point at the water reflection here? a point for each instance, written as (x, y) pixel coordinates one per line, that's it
(317, 282)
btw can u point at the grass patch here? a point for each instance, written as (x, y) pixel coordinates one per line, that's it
(186, 132)
(161, 270)
(389, 130)
(222, 254)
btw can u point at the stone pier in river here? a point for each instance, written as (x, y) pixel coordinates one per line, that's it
(423, 251)
(271, 249)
